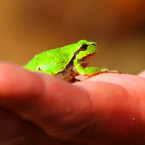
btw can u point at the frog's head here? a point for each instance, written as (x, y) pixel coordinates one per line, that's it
(87, 47)
(86, 52)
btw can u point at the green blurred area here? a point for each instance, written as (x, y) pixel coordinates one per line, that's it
(29, 27)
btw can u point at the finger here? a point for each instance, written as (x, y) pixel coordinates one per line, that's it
(131, 83)
(130, 116)
(71, 112)
(14, 130)
(119, 114)
(17, 131)
(62, 110)
(142, 74)
(44, 100)
(20, 92)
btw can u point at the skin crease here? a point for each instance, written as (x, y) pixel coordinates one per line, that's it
(38, 109)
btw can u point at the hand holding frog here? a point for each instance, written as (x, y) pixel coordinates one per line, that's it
(40, 109)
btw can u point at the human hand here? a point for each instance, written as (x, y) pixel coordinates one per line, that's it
(38, 109)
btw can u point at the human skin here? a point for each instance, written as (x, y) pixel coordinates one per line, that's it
(38, 109)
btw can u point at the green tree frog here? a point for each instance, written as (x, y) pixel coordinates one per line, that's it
(67, 62)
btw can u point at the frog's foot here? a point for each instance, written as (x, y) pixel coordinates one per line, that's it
(106, 70)
(103, 70)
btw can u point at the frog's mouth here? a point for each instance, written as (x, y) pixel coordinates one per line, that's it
(86, 60)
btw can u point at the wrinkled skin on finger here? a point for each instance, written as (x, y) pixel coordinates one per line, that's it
(106, 109)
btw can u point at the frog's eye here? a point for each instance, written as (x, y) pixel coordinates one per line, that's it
(84, 46)
(39, 68)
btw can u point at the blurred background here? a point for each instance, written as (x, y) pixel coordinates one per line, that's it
(28, 27)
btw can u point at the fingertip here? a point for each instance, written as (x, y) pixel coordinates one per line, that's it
(142, 74)
(16, 81)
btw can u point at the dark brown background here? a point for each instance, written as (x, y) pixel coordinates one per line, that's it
(28, 27)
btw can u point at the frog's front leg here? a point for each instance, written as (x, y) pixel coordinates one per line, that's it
(93, 70)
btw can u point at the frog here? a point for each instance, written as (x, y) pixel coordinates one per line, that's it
(67, 62)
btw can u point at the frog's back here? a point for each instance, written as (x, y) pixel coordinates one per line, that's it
(52, 61)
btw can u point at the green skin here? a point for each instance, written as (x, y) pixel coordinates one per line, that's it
(56, 60)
